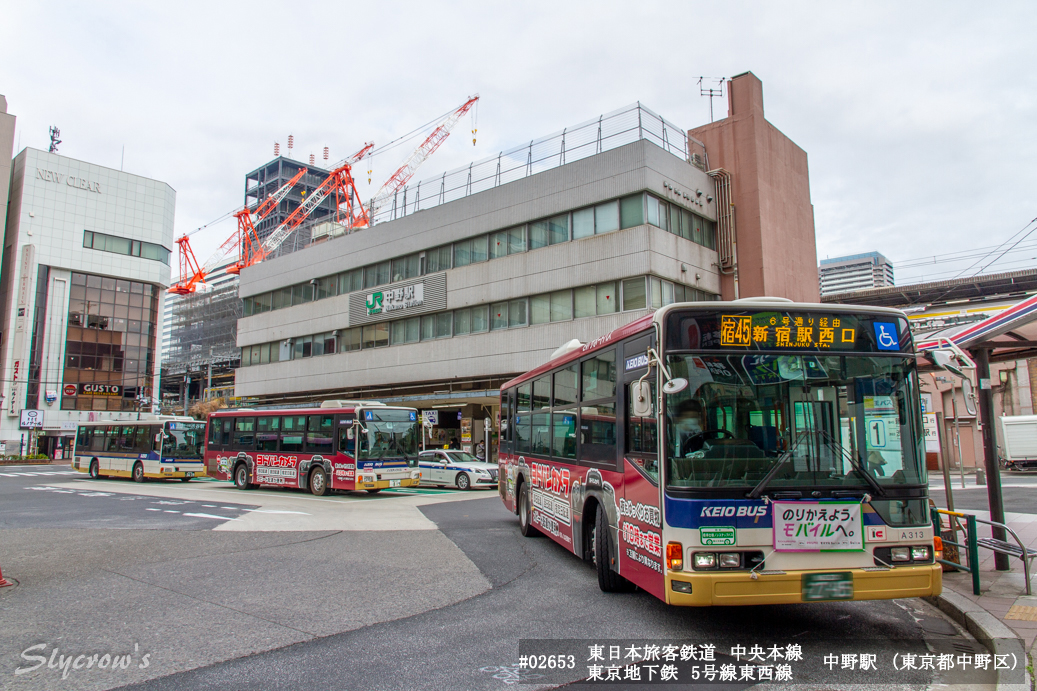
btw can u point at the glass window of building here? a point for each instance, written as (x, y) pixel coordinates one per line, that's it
(606, 302)
(110, 344)
(437, 259)
(517, 240)
(406, 267)
(634, 297)
(583, 223)
(561, 305)
(350, 281)
(326, 287)
(606, 217)
(376, 335)
(517, 313)
(376, 274)
(349, 340)
(631, 211)
(480, 319)
(498, 316)
(549, 231)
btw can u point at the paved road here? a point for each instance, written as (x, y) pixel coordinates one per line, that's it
(540, 592)
(1019, 491)
(31, 497)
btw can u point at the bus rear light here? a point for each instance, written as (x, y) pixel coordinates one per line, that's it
(675, 556)
(705, 560)
(730, 560)
(901, 554)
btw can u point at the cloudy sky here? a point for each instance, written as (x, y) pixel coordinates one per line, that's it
(918, 118)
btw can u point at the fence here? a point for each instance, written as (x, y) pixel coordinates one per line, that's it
(604, 133)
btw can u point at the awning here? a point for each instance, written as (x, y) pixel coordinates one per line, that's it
(1009, 335)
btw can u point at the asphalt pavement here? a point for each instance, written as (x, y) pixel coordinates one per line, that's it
(1018, 491)
(544, 596)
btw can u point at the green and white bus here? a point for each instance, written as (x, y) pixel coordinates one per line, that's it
(161, 448)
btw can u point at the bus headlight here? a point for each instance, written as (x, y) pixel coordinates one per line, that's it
(705, 560)
(730, 561)
(901, 554)
(920, 553)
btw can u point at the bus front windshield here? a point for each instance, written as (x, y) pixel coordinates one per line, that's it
(390, 435)
(183, 440)
(771, 422)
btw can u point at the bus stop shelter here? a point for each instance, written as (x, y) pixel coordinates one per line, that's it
(1006, 336)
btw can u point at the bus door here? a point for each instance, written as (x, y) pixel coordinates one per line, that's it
(639, 508)
(344, 463)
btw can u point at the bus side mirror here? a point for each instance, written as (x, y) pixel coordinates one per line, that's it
(158, 438)
(641, 395)
(349, 433)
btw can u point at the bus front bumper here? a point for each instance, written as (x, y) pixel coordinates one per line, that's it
(173, 473)
(739, 588)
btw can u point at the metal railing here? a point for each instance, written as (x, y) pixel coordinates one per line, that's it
(604, 133)
(973, 542)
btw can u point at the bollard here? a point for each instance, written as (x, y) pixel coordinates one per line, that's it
(981, 476)
(3, 581)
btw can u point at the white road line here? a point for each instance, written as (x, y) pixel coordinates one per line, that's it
(168, 511)
(152, 509)
(209, 515)
(209, 506)
(8, 474)
(301, 513)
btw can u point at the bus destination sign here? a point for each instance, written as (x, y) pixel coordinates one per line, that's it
(791, 331)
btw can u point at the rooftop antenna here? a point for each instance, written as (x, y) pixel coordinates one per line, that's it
(712, 87)
(291, 144)
(54, 141)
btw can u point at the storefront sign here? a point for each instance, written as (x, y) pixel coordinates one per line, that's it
(69, 389)
(32, 419)
(102, 389)
(400, 299)
(932, 433)
(430, 417)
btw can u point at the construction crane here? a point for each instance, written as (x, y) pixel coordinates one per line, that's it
(192, 275)
(340, 183)
(410, 166)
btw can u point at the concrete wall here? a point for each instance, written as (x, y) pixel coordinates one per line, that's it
(774, 218)
(7, 123)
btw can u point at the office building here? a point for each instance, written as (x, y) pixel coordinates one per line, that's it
(855, 272)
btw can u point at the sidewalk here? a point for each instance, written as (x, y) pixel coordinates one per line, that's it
(1003, 593)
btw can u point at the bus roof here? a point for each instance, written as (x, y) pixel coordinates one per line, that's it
(657, 318)
(307, 411)
(150, 420)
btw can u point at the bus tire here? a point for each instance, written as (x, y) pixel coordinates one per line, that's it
(462, 481)
(241, 476)
(318, 482)
(185, 479)
(138, 472)
(373, 491)
(525, 512)
(95, 470)
(608, 580)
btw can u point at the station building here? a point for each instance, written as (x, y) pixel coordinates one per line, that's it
(85, 262)
(466, 280)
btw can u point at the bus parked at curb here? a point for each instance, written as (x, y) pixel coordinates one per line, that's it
(731, 453)
(162, 448)
(342, 445)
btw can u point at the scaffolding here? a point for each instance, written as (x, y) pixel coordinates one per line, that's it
(205, 328)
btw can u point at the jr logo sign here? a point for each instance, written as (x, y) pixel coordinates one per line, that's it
(374, 303)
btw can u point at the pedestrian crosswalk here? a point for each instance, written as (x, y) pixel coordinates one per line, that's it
(10, 472)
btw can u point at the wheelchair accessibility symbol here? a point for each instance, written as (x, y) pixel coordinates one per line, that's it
(886, 336)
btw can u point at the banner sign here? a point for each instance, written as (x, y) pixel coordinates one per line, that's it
(811, 526)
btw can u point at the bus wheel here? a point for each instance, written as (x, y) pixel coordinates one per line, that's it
(95, 470)
(462, 481)
(319, 482)
(373, 491)
(185, 479)
(608, 580)
(526, 513)
(241, 476)
(138, 472)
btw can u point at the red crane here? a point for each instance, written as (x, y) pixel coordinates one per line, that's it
(191, 274)
(340, 183)
(410, 166)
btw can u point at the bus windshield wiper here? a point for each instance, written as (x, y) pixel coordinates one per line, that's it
(854, 463)
(782, 460)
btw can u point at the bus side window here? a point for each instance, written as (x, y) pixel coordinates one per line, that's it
(293, 427)
(83, 438)
(215, 427)
(155, 438)
(228, 424)
(244, 433)
(142, 439)
(97, 436)
(598, 409)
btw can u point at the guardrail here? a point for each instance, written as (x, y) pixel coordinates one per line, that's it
(973, 542)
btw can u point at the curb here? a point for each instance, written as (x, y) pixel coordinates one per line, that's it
(993, 633)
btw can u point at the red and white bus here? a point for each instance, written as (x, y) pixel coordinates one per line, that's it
(342, 445)
(749, 452)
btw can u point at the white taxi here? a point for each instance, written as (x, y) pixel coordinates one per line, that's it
(441, 467)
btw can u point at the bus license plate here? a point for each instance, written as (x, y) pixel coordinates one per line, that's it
(189, 473)
(394, 483)
(827, 586)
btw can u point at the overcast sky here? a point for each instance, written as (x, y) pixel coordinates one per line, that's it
(918, 118)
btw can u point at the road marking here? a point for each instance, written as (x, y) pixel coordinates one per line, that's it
(270, 511)
(152, 509)
(209, 506)
(168, 511)
(40, 472)
(209, 515)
